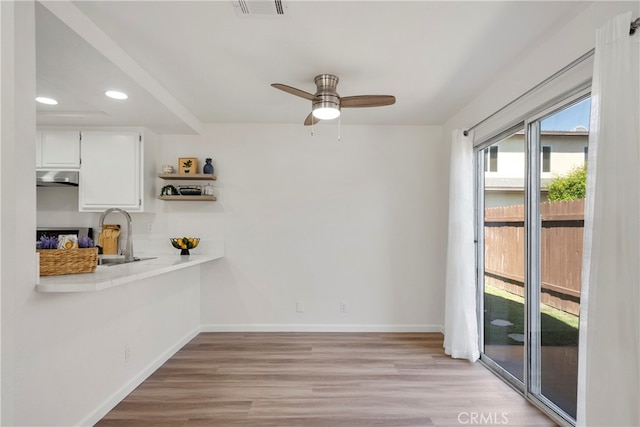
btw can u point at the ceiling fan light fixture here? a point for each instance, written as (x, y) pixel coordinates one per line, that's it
(326, 103)
(326, 110)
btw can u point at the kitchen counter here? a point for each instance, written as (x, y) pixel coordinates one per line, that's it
(106, 277)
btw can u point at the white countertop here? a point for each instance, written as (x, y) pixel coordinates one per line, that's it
(109, 276)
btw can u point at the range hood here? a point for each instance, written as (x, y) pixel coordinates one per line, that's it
(53, 178)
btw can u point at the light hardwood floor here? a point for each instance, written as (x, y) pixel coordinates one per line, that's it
(321, 379)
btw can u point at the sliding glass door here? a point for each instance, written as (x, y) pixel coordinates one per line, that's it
(530, 225)
(563, 138)
(503, 218)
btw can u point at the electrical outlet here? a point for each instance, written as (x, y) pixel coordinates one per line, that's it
(149, 227)
(299, 307)
(343, 307)
(127, 353)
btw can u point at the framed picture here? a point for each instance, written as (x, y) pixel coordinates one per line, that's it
(188, 165)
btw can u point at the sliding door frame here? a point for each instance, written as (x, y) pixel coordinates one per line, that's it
(531, 387)
(507, 376)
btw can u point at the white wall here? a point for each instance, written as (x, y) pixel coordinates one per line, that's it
(317, 221)
(307, 219)
(571, 41)
(58, 206)
(70, 362)
(17, 182)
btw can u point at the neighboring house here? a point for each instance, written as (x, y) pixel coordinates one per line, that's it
(504, 164)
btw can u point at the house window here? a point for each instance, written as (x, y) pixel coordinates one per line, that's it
(491, 159)
(586, 154)
(546, 159)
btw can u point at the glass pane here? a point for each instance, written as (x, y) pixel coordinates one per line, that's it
(504, 311)
(562, 221)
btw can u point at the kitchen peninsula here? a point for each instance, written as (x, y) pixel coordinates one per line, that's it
(110, 276)
(123, 321)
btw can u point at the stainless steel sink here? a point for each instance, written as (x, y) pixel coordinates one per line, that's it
(119, 260)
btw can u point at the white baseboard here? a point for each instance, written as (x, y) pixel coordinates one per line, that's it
(117, 397)
(319, 328)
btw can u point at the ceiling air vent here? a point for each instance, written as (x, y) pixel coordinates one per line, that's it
(259, 7)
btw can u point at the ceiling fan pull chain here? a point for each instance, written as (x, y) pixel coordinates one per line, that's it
(339, 122)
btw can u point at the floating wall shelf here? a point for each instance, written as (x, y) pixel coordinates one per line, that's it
(189, 198)
(188, 177)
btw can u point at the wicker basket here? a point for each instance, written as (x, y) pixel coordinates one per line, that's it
(54, 262)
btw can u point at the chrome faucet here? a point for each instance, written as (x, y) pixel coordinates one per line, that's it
(128, 250)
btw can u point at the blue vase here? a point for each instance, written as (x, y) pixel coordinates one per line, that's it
(208, 167)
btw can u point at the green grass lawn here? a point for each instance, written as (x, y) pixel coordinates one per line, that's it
(558, 328)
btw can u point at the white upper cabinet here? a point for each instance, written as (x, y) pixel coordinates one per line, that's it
(58, 149)
(111, 175)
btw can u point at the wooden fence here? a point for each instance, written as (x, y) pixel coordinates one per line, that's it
(560, 257)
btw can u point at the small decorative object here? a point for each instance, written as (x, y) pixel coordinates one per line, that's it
(169, 190)
(54, 262)
(184, 244)
(167, 169)
(208, 167)
(208, 190)
(188, 165)
(190, 190)
(67, 241)
(108, 238)
(47, 242)
(85, 242)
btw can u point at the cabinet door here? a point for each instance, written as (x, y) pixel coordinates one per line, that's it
(60, 149)
(110, 175)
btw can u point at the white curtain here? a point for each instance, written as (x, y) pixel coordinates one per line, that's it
(609, 355)
(460, 324)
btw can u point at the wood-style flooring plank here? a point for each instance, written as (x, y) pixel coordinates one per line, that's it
(320, 379)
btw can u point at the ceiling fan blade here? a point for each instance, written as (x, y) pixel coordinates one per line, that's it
(294, 91)
(310, 120)
(367, 101)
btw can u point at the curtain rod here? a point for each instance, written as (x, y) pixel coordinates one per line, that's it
(632, 29)
(533, 89)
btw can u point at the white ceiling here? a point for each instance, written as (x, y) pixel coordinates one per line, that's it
(187, 63)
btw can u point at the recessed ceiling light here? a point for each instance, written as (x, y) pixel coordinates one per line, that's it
(116, 94)
(48, 101)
